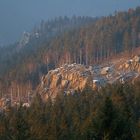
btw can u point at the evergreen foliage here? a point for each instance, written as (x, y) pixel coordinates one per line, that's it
(111, 114)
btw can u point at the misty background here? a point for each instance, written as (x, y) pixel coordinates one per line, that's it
(17, 16)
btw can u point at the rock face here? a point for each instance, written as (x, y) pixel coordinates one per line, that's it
(131, 64)
(4, 103)
(71, 77)
(67, 78)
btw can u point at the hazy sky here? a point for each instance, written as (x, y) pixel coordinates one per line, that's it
(17, 16)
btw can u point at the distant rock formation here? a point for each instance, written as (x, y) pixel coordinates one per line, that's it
(25, 39)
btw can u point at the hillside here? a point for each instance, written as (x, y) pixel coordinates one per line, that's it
(73, 79)
(86, 41)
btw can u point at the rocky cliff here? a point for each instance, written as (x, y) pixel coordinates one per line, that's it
(67, 78)
(72, 77)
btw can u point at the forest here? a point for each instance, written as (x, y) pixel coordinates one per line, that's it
(83, 40)
(111, 113)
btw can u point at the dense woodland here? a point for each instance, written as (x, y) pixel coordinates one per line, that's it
(113, 113)
(82, 40)
(23, 63)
